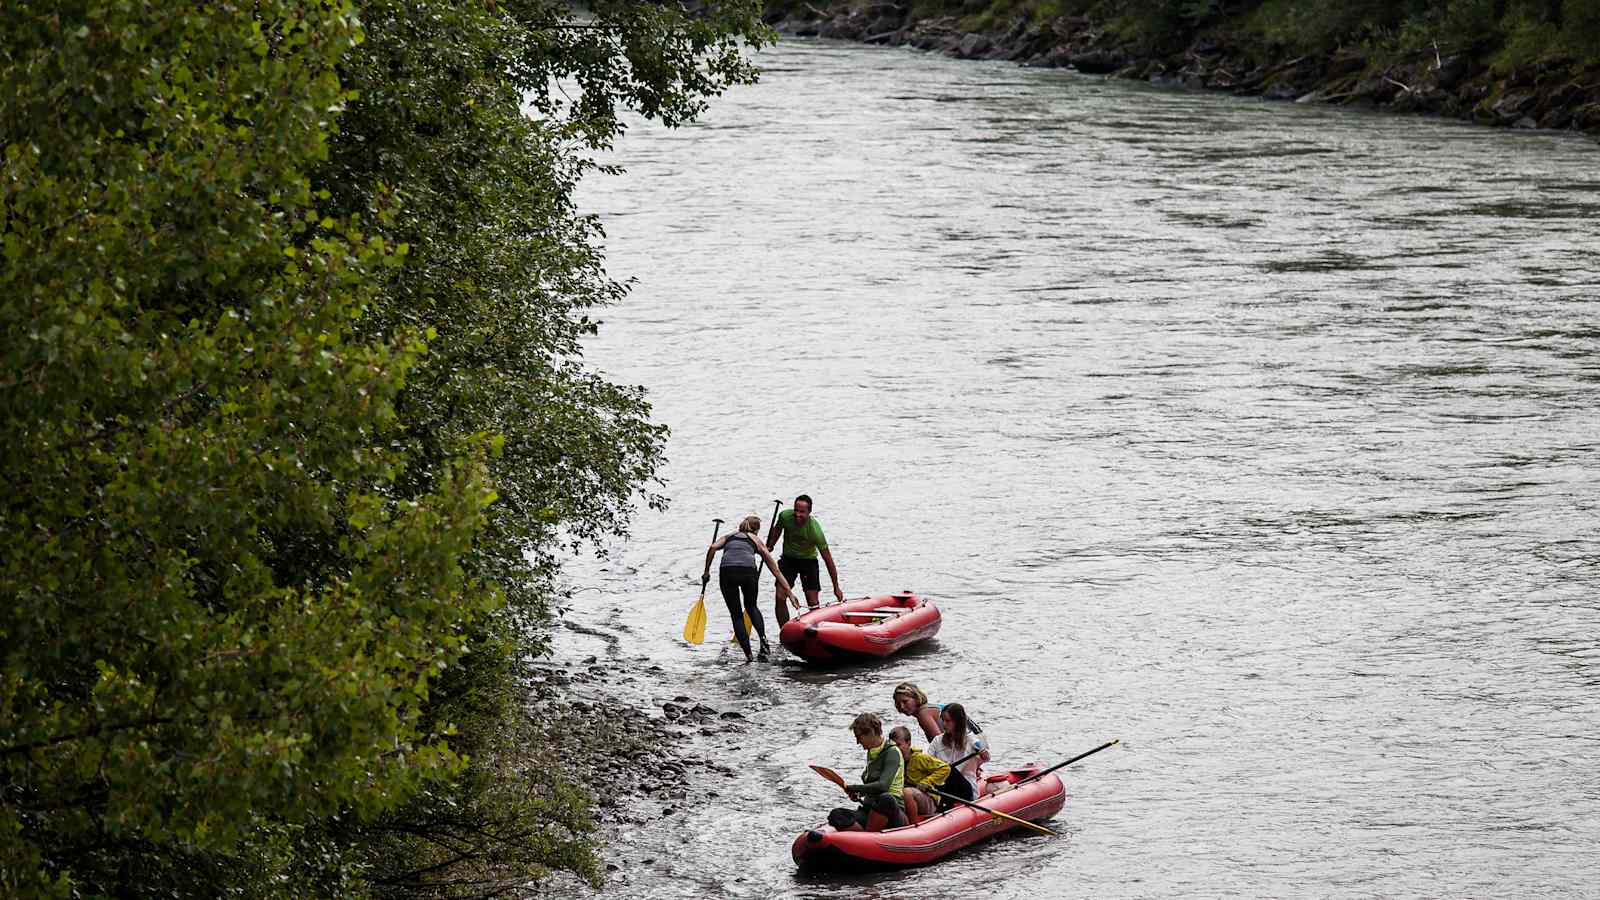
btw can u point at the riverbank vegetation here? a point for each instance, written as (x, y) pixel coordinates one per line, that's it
(1505, 33)
(296, 429)
(1527, 63)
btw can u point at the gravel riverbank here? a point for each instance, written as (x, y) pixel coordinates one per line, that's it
(642, 748)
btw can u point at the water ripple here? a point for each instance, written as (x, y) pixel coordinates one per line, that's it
(1262, 436)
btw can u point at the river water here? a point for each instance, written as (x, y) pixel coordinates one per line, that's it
(1261, 436)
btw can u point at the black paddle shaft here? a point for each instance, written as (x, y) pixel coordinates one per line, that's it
(1068, 762)
(716, 526)
(963, 759)
(772, 526)
(776, 506)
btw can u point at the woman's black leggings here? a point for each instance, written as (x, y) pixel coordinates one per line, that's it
(734, 582)
(957, 785)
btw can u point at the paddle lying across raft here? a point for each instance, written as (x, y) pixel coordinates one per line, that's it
(864, 628)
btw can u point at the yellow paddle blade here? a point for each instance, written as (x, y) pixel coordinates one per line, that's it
(694, 630)
(1023, 822)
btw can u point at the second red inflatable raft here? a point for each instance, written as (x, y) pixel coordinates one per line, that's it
(865, 628)
(824, 849)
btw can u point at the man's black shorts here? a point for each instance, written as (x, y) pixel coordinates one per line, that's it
(805, 569)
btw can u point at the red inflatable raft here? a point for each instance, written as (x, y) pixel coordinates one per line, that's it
(865, 628)
(822, 849)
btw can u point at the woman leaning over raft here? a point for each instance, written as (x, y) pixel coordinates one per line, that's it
(741, 556)
(910, 700)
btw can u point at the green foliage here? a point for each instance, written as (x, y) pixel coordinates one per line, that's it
(508, 272)
(1312, 27)
(510, 818)
(187, 403)
(1453, 27)
(1541, 30)
(291, 313)
(503, 266)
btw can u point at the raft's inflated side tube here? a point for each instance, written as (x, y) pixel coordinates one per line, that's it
(866, 628)
(822, 849)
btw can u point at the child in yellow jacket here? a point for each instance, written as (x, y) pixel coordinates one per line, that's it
(924, 774)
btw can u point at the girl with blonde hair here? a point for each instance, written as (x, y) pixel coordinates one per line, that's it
(909, 699)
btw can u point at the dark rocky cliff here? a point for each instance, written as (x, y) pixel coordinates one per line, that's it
(1555, 88)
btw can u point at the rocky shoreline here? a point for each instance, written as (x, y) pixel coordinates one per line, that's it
(639, 756)
(1552, 95)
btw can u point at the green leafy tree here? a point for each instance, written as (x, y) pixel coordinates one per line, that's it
(484, 120)
(503, 264)
(293, 300)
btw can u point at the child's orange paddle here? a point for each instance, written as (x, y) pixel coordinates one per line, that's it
(831, 775)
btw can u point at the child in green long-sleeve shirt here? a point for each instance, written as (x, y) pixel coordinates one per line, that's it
(881, 791)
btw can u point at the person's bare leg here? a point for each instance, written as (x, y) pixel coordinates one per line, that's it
(780, 606)
(916, 804)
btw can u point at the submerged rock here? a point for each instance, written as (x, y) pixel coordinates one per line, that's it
(1097, 62)
(973, 46)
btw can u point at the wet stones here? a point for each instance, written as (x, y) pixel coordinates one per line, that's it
(643, 760)
(680, 713)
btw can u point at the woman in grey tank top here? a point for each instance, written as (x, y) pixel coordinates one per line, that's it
(742, 555)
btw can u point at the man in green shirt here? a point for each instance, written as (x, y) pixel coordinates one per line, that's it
(803, 541)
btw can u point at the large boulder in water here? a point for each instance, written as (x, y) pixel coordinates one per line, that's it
(849, 28)
(1587, 117)
(973, 46)
(1283, 90)
(1058, 58)
(1513, 106)
(888, 22)
(1097, 62)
